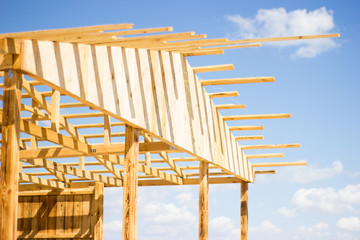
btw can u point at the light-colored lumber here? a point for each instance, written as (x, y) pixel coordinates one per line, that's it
(245, 128)
(93, 150)
(55, 111)
(202, 53)
(98, 211)
(257, 116)
(270, 146)
(224, 94)
(204, 201)
(233, 47)
(130, 183)
(74, 171)
(41, 181)
(230, 106)
(244, 138)
(47, 34)
(213, 68)
(10, 155)
(236, 81)
(98, 125)
(244, 211)
(279, 164)
(265, 155)
(265, 172)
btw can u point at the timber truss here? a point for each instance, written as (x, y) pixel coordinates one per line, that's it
(82, 95)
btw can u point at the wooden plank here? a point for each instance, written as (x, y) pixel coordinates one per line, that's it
(73, 171)
(270, 146)
(266, 155)
(236, 81)
(10, 155)
(41, 181)
(257, 116)
(95, 150)
(243, 138)
(60, 214)
(51, 226)
(98, 211)
(86, 215)
(213, 68)
(130, 183)
(55, 111)
(204, 201)
(279, 164)
(47, 34)
(69, 213)
(244, 211)
(245, 128)
(265, 172)
(202, 53)
(230, 106)
(224, 94)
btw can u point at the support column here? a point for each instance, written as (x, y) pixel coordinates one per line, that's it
(204, 201)
(130, 183)
(10, 155)
(244, 210)
(99, 210)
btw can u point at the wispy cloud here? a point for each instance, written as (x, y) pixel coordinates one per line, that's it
(277, 22)
(324, 200)
(349, 224)
(306, 174)
(266, 227)
(317, 231)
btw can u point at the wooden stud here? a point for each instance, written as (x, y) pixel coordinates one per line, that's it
(99, 211)
(55, 111)
(10, 155)
(130, 183)
(244, 211)
(204, 201)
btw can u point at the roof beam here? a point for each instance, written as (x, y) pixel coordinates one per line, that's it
(41, 181)
(266, 155)
(213, 68)
(244, 138)
(265, 172)
(279, 164)
(270, 146)
(257, 116)
(224, 94)
(230, 106)
(236, 81)
(245, 128)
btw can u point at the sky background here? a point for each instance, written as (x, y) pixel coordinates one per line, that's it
(316, 81)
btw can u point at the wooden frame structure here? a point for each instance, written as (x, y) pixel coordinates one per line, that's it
(129, 108)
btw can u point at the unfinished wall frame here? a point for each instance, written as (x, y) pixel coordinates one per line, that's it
(86, 92)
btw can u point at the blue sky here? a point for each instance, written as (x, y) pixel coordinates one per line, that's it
(318, 83)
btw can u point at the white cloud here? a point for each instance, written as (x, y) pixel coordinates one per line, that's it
(287, 212)
(222, 228)
(113, 226)
(349, 224)
(324, 200)
(306, 174)
(317, 231)
(277, 22)
(265, 227)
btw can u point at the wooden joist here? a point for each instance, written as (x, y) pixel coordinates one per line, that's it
(279, 164)
(213, 68)
(93, 150)
(224, 94)
(270, 146)
(230, 106)
(110, 181)
(236, 81)
(244, 138)
(266, 155)
(257, 116)
(265, 172)
(41, 181)
(245, 128)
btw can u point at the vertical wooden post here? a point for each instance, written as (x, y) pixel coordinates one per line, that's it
(10, 155)
(99, 212)
(244, 210)
(130, 183)
(204, 201)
